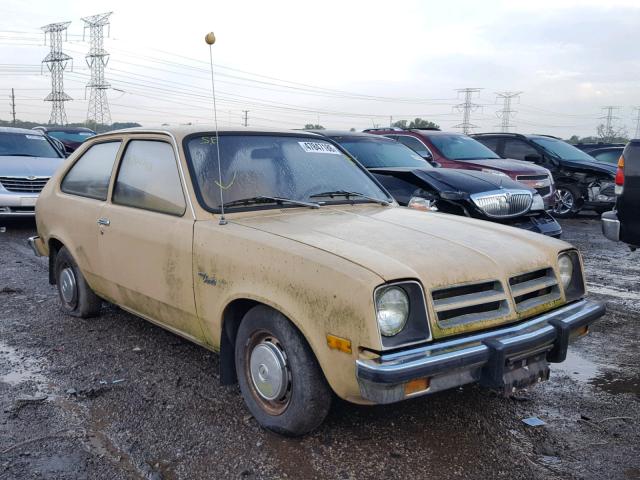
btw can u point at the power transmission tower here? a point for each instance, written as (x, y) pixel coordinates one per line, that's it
(246, 114)
(506, 113)
(56, 62)
(466, 108)
(97, 60)
(608, 134)
(13, 106)
(637, 110)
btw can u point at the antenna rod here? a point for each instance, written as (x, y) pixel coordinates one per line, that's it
(210, 38)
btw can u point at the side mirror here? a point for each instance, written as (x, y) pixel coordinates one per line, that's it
(533, 158)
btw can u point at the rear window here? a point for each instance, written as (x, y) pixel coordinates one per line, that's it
(71, 136)
(26, 145)
(90, 175)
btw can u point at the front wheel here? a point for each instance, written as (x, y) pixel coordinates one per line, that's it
(76, 297)
(280, 379)
(567, 201)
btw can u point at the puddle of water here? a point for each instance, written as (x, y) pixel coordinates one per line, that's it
(616, 383)
(20, 369)
(577, 367)
(613, 292)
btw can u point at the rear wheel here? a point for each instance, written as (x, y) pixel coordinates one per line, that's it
(76, 297)
(280, 379)
(567, 201)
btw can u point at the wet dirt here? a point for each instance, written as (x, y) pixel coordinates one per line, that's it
(170, 419)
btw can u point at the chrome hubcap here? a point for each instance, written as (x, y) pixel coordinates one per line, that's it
(563, 201)
(67, 284)
(268, 368)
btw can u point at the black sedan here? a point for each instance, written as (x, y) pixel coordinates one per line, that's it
(415, 183)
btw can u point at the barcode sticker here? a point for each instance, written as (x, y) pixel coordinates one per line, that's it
(35, 137)
(319, 147)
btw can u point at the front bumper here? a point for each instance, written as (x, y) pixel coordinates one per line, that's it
(542, 223)
(496, 358)
(611, 226)
(17, 204)
(36, 244)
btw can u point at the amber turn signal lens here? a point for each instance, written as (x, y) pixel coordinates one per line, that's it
(416, 386)
(338, 343)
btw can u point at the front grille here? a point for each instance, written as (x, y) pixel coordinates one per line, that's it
(534, 288)
(541, 183)
(24, 184)
(503, 203)
(462, 304)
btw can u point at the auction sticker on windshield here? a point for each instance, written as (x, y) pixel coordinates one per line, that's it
(35, 137)
(319, 147)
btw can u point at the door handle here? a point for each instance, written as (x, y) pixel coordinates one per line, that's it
(104, 221)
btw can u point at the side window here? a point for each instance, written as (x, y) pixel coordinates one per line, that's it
(148, 178)
(415, 145)
(90, 175)
(517, 149)
(490, 142)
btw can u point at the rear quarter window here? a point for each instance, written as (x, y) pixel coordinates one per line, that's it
(91, 173)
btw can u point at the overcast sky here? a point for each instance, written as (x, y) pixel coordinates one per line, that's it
(342, 64)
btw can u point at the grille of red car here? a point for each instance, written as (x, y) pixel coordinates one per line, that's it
(24, 184)
(541, 183)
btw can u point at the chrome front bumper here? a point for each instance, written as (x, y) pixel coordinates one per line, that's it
(497, 358)
(35, 244)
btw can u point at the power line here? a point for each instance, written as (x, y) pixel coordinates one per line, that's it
(56, 61)
(466, 108)
(506, 113)
(97, 60)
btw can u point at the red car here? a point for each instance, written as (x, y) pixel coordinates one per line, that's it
(455, 150)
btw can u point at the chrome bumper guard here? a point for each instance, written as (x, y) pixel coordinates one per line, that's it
(32, 244)
(505, 357)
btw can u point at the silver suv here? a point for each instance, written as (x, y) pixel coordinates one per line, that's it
(28, 158)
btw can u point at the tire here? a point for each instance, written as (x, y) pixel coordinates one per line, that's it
(76, 297)
(567, 201)
(295, 398)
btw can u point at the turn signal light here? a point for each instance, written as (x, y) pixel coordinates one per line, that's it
(620, 176)
(339, 343)
(416, 386)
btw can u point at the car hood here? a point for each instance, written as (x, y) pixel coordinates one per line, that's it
(594, 167)
(397, 243)
(444, 179)
(11, 166)
(508, 165)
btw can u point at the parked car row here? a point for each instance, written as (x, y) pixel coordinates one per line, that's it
(282, 252)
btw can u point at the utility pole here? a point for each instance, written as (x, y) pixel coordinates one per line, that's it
(13, 106)
(390, 121)
(466, 108)
(56, 62)
(246, 113)
(637, 110)
(609, 117)
(97, 60)
(506, 113)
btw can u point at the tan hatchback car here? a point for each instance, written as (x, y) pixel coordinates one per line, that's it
(314, 282)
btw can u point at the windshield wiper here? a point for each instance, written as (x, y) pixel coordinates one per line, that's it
(346, 194)
(265, 199)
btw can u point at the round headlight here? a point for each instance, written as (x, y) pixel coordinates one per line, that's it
(392, 306)
(566, 269)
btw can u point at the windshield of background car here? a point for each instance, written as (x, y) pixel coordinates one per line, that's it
(461, 147)
(26, 145)
(71, 136)
(282, 166)
(562, 150)
(381, 153)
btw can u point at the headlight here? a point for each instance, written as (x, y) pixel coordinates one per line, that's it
(494, 172)
(392, 309)
(538, 203)
(565, 265)
(423, 204)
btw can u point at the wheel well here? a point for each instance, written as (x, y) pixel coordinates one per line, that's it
(231, 318)
(54, 248)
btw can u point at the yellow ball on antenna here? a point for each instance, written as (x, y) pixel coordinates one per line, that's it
(210, 38)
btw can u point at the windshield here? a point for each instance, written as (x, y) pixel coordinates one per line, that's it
(286, 167)
(379, 153)
(26, 145)
(562, 150)
(461, 147)
(71, 136)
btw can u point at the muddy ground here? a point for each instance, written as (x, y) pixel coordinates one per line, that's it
(115, 398)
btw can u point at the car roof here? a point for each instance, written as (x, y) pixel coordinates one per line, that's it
(19, 130)
(53, 128)
(343, 133)
(186, 130)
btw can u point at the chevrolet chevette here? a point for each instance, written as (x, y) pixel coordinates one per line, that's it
(279, 251)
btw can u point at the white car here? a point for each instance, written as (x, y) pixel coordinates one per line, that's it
(27, 160)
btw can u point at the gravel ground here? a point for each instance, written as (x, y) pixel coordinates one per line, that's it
(116, 398)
